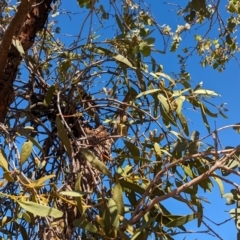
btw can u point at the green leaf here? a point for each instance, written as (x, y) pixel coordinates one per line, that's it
(164, 102)
(122, 59)
(166, 117)
(188, 171)
(181, 220)
(117, 196)
(40, 210)
(85, 224)
(113, 209)
(147, 92)
(199, 212)
(229, 198)
(78, 189)
(150, 40)
(204, 117)
(205, 92)
(3, 161)
(48, 98)
(40, 181)
(26, 151)
(220, 185)
(183, 122)
(95, 162)
(157, 149)
(26, 217)
(133, 149)
(160, 74)
(30, 138)
(74, 193)
(179, 103)
(63, 136)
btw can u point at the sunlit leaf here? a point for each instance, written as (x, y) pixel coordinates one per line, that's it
(3, 160)
(205, 92)
(26, 151)
(147, 92)
(74, 193)
(30, 138)
(181, 220)
(40, 210)
(164, 102)
(157, 149)
(179, 103)
(39, 182)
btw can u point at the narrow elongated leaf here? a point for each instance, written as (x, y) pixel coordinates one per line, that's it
(160, 74)
(95, 162)
(3, 161)
(25, 152)
(8, 176)
(85, 224)
(147, 92)
(107, 219)
(113, 209)
(49, 95)
(157, 149)
(181, 220)
(117, 196)
(40, 210)
(183, 122)
(40, 181)
(188, 171)
(179, 103)
(164, 102)
(204, 117)
(30, 138)
(133, 149)
(205, 92)
(74, 193)
(78, 189)
(220, 185)
(199, 212)
(122, 59)
(63, 136)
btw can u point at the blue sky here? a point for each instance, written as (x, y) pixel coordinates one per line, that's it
(227, 84)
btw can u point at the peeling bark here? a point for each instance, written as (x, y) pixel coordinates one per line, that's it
(29, 19)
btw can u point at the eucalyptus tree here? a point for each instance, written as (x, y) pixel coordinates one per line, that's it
(94, 133)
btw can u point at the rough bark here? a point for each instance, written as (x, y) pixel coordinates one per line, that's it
(28, 20)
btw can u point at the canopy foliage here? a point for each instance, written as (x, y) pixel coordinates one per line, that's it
(94, 134)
